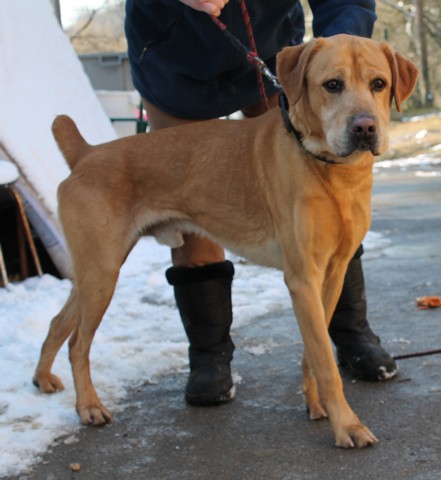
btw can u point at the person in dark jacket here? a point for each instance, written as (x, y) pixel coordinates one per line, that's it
(186, 70)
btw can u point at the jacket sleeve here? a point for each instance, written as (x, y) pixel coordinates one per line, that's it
(331, 17)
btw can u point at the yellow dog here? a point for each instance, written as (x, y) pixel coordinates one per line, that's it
(292, 194)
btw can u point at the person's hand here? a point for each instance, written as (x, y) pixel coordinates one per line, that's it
(212, 7)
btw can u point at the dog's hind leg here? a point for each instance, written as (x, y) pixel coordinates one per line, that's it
(97, 268)
(93, 305)
(61, 327)
(99, 242)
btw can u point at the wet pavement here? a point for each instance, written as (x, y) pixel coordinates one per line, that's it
(265, 433)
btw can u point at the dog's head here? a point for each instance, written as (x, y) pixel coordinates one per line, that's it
(340, 90)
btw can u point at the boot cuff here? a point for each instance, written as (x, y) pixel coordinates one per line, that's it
(189, 275)
(358, 253)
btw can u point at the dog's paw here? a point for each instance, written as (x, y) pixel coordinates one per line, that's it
(94, 415)
(48, 383)
(355, 435)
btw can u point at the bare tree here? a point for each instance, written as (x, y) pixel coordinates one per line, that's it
(100, 30)
(426, 91)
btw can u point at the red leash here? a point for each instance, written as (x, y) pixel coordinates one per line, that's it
(252, 56)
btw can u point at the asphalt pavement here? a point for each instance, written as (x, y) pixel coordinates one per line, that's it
(265, 433)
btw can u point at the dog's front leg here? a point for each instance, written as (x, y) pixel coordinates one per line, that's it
(331, 291)
(306, 294)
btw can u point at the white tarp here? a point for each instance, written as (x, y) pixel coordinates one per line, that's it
(41, 77)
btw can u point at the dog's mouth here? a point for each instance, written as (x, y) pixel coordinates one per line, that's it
(360, 145)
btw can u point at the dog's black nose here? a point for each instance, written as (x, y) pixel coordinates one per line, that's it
(363, 133)
(364, 126)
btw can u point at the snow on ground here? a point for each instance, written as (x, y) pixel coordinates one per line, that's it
(425, 162)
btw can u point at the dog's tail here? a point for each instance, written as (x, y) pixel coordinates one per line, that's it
(69, 139)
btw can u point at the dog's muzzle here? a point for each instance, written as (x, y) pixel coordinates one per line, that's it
(362, 135)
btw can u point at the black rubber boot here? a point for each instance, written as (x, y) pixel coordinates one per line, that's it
(203, 297)
(358, 349)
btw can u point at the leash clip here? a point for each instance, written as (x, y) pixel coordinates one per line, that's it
(251, 54)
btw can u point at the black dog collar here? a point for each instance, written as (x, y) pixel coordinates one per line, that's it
(284, 109)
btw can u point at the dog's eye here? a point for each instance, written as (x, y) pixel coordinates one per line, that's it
(378, 85)
(333, 85)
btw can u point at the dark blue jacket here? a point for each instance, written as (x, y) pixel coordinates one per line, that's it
(182, 63)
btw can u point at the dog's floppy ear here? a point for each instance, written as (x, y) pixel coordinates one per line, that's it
(404, 75)
(291, 68)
